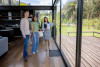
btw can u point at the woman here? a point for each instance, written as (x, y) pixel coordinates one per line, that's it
(35, 34)
(47, 33)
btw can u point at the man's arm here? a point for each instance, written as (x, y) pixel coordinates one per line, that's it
(22, 28)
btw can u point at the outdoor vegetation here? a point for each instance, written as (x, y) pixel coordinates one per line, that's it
(91, 17)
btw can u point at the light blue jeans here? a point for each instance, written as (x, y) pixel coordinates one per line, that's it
(25, 46)
(35, 42)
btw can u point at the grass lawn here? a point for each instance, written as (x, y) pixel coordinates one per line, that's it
(65, 29)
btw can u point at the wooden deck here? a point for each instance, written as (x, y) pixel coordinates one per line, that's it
(14, 56)
(90, 56)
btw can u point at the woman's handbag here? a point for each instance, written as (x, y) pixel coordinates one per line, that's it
(40, 33)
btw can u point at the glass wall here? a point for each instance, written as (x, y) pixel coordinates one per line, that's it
(15, 2)
(58, 23)
(90, 51)
(4, 2)
(68, 30)
(26, 2)
(53, 1)
(9, 2)
(90, 56)
(41, 14)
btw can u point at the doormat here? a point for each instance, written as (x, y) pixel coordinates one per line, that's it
(54, 53)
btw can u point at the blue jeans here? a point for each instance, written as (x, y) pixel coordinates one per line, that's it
(35, 42)
(25, 46)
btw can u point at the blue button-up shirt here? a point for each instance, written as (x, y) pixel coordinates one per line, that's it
(48, 25)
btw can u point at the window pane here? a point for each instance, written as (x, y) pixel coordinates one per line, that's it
(53, 1)
(68, 30)
(90, 56)
(36, 2)
(15, 2)
(58, 24)
(27, 2)
(4, 2)
(41, 14)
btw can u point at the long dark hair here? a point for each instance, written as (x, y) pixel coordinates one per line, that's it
(33, 18)
(47, 19)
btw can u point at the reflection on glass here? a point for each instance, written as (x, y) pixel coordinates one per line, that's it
(58, 24)
(68, 30)
(90, 56)
(9, 2)
(14, 2)
(53, 1)
(4, 2)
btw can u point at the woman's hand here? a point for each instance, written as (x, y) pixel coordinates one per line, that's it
(39, 35)
(54, 20)
(34, 35)
(45, 28)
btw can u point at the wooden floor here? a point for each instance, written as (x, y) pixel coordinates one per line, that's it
(90, 56)
(14, 56)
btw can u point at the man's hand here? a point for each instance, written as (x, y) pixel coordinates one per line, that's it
(30, 35)
(24, 37)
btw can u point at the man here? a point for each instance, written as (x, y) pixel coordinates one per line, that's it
(24, 27)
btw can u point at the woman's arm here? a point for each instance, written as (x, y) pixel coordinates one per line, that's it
(38, 29)
(32, 30)
(43, 26)
(52, 24)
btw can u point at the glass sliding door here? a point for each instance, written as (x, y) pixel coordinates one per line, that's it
(41, 14)
(68, 30)
(57, 24)
(90, 52)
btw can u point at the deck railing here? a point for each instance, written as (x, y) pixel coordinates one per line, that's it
(84, 32)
